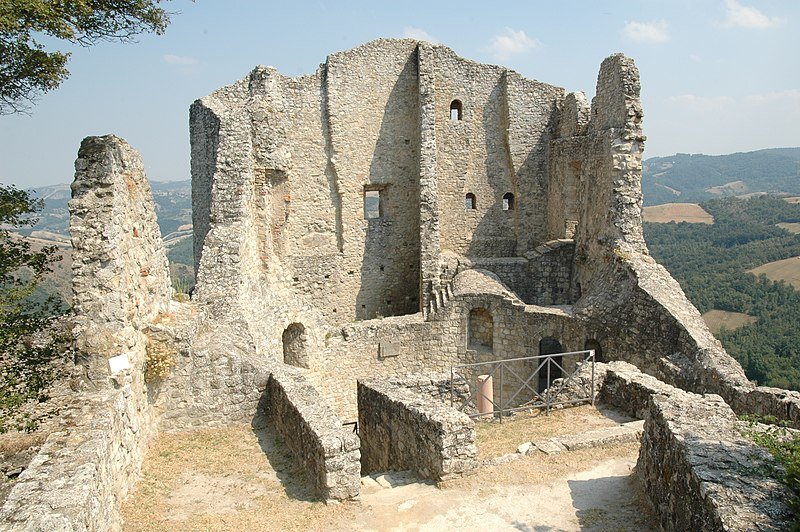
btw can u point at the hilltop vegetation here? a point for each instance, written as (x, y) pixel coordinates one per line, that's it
(711, 263)
(688, 178)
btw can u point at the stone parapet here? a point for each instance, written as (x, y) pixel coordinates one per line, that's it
(403, 430)
(700, 473)
(81, 474)
(326, 450)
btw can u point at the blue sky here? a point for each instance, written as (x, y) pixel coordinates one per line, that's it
(718, 76)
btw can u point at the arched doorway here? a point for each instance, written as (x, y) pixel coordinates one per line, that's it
(549, 346)
(598, 350)
(294, 345)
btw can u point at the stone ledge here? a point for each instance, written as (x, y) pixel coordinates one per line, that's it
(700, 473)
(320, 444)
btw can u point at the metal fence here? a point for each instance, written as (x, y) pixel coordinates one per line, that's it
(541, 381)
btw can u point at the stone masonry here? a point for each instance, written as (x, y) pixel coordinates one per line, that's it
(400, 211)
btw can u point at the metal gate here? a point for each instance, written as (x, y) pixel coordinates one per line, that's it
(541, 381)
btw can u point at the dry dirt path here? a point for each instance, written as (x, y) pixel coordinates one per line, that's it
(240, 479)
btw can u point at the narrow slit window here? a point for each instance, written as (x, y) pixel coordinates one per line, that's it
(456, 110)
(372, 204)
(508, 201)
(469, 202)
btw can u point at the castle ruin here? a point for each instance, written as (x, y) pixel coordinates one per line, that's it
(400, 211)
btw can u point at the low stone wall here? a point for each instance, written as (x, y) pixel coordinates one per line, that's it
(766, 401)
(434, 385)
(81, 474)
(403, 430)
(328, 451)
(700, 473)
(627, 389)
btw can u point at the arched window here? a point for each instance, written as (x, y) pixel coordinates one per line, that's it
(550, 370)
(480, 329)
(508, 201)
(456, 110)
(469, 202)
(598, 350)
(294, 346)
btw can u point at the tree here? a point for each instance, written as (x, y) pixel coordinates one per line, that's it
(30, 346)
(28, 70)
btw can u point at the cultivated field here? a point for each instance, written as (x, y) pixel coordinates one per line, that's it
(793, 199)
(791, 227)
(677, 212)
(781, 270)
(722, 319)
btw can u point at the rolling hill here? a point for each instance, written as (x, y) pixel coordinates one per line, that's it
(685, 178)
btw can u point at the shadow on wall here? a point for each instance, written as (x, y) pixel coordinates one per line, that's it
(390, 270)
(291, 476)
(497, 232)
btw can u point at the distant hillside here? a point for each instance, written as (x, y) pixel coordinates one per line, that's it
(685, 178)
(173, 201)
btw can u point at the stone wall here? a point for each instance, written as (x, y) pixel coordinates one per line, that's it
(326, 450)
(697, 468)
(401, 430)
(82, 473)
(121, 285)
(120, 273)
(700, 473)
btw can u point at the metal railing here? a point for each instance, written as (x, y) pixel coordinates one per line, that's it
(526, 383)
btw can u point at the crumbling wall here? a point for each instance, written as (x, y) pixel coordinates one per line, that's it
(497, 147)
(700, 473)
(326, 450)
(120, 272)
(121, 284)
(82, 473)
(401, 430)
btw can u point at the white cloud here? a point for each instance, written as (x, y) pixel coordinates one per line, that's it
(705, 101)
(647, 32)
(419, 34)
(696, 58)
(739, 16)
(180, 60)
(790, 97)
(509, 43)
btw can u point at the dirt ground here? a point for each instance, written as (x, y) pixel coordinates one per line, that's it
(240, 478)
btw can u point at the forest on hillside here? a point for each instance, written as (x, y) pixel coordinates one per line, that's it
(711, 263)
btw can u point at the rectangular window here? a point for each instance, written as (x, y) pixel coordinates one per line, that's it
(372, 204)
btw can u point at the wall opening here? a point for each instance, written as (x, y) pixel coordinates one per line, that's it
(598, 350)
(549, 346)
(508, 201)
(294, 346)
(480, 330)
(373, 204)
(456, 110)
(469, 202)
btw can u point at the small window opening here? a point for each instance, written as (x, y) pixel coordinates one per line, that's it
(508, 201)
(456, 110)
(372, 204)
(480, 329)
(294, 346)
(469, 201)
